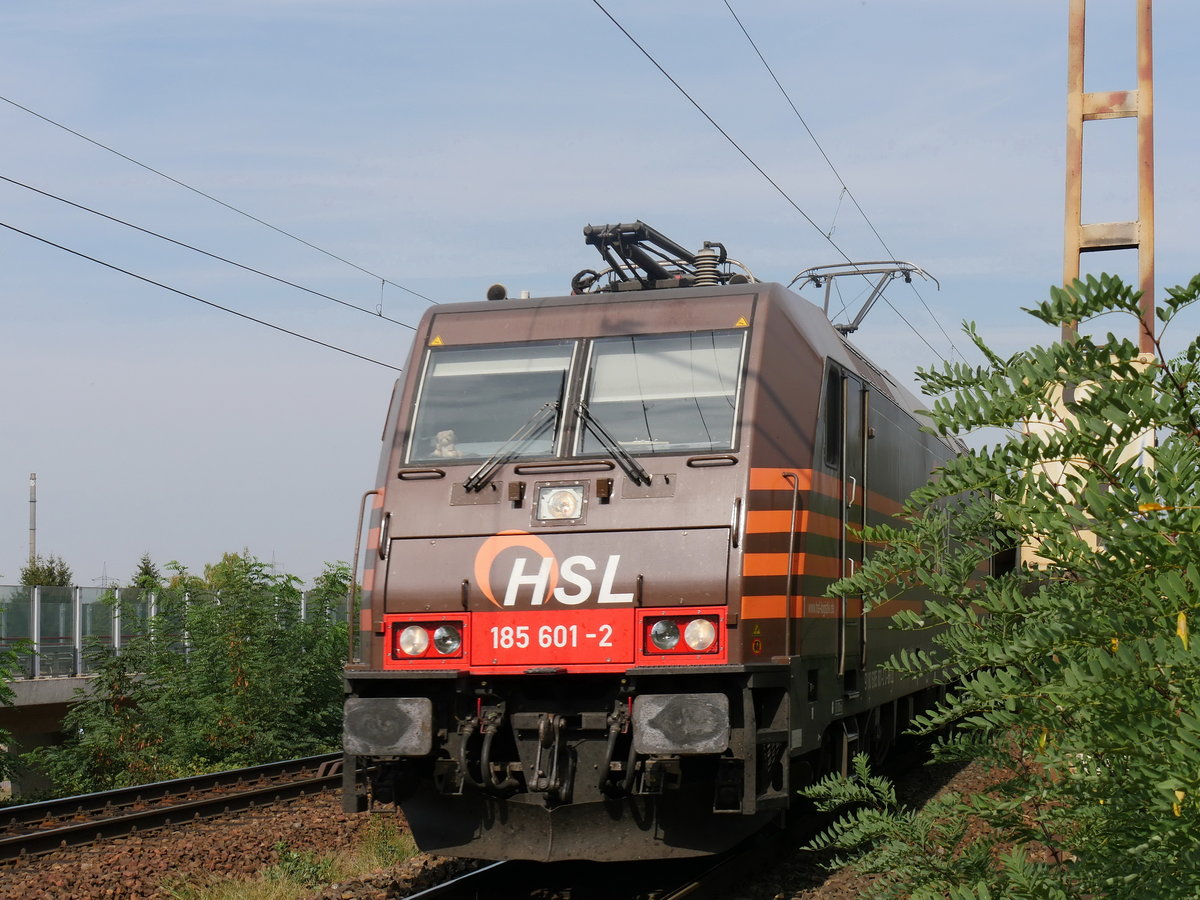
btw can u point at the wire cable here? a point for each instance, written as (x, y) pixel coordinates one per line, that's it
(756, 166)
(723, 132)
(174, 290)
(162, 237)
(838, 175)
(219, 202)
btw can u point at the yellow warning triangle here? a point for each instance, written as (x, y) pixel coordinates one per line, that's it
(741, 323)
(437, 341)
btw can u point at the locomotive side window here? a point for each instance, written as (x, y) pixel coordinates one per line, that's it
(833, 417)
(665, 393)
(474, 399)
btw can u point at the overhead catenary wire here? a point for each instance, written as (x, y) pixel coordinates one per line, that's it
(752, 162)
(838, 175)
(162, 237)
(182, 293)
(216, 200)
(646, 53)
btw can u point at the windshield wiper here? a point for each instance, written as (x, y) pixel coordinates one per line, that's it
(511, 448)
(628, 464)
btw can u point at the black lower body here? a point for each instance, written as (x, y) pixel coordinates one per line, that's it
(644, 765)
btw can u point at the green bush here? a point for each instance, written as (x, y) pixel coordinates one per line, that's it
(217, 680)
(1077, 676)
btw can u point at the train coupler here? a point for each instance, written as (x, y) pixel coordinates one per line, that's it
(730, 785)
(660, 775)
(392, 782)
(548, 759)
(448, 777)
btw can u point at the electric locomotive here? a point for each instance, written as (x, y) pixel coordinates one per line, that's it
(596, 614)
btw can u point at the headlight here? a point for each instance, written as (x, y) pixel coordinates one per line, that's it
(664, 634)
(699, 634)
(413, 640)
(447, 639)
(560, 502)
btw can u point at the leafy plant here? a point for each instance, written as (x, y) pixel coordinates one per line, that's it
(302, 867)
(213, 681)
(383, 843)
(1077, 672)
(10, 663)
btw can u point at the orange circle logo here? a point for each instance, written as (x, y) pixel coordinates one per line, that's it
(508, 540)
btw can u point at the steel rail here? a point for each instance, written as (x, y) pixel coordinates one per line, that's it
(112, 813)
(481, 882)
(696, 878)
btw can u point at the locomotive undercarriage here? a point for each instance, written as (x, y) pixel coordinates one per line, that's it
(517, 767)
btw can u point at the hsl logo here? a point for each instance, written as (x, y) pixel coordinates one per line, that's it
(535, 575)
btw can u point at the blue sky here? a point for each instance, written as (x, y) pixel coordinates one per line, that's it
(449, 145)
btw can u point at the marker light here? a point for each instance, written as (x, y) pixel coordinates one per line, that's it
(560, 502)
(427, 642)
(447, 639)
(682, 634)
(700, 634)
(413, 640)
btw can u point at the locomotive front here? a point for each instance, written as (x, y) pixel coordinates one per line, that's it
(554, 669)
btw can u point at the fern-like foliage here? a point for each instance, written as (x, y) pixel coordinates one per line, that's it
(1077, 674)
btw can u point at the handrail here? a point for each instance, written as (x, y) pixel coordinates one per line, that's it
(352, 626)
(791, 576)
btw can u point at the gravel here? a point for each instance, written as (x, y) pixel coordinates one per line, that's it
(144, 866)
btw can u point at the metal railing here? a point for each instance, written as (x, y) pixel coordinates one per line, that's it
(56, 624)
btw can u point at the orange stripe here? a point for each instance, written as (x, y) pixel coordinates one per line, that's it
(882, 504)
(368, 583)
(802, 564)
(763, 521)
(377, 500)
(764, 607)
(889, 609)
(373, 539)
(764, 479)
(778, 521)
(771, 479)
(775, 607)
(772, 607)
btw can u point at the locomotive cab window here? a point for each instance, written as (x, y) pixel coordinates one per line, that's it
(665, 393)
(474, 399)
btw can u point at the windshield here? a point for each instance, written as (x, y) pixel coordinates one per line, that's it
(665, 393)
(474, 399)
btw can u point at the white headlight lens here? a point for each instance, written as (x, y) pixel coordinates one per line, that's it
(664, 634)
(414, 640)
(562, 502)
(699, 634)
(447, 639)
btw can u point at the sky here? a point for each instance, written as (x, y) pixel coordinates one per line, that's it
(376, 151)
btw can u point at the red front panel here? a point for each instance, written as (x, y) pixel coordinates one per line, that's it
(554, 638)
(579, 640)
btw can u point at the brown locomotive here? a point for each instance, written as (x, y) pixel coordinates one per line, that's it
(604, 533)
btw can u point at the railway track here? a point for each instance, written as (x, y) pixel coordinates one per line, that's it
(697, 878)
(36, 828)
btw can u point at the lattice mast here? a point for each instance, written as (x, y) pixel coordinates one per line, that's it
(1080, 238)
